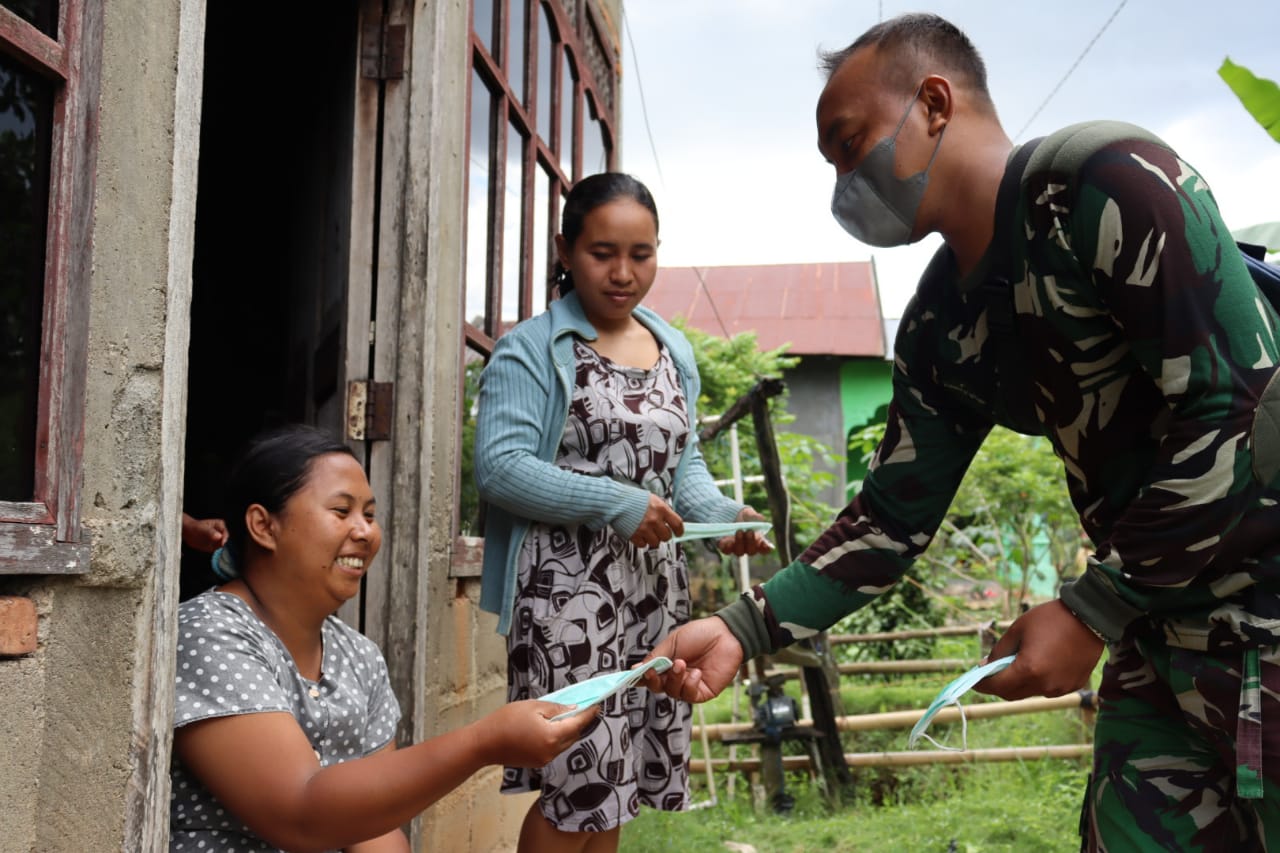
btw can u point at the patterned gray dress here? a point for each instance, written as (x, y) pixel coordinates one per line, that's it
(590, 602)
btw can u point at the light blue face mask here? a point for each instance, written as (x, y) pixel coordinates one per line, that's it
(950, 695)
(698, 530)
(593, 691)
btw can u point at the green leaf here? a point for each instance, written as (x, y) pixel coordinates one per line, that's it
(1261, 97)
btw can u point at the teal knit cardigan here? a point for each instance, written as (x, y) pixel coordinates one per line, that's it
(525, 392)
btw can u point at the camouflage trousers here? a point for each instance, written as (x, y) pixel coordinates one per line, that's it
(1182, 760)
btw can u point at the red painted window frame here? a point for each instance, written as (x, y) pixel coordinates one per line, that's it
(573, 22)
(43, 536)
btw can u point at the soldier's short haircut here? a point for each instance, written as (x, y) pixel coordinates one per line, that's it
(921, 44)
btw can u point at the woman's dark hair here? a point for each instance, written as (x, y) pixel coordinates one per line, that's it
(271, 470)
(588, 194)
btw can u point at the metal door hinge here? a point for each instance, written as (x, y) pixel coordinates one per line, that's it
(369, 410)
(382, 47)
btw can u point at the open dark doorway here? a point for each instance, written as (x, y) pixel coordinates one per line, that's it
(273, 225)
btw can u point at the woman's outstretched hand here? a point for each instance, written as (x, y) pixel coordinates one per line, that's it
(522, 734)
(659, 524)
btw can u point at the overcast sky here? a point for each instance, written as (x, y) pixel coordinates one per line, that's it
(730, 87)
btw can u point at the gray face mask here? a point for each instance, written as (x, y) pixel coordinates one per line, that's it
(872, 203)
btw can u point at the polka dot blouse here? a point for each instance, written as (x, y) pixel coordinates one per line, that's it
(229, 662)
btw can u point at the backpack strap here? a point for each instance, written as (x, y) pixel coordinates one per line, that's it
(1012, 385)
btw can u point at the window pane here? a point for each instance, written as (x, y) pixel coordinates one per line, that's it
(543, 83)
(595, 153)
(482, 22)
(566, 116)
(470, 519)
(478, 179)
(542, 251)
(26, 116)
(43, 14)
(512, 222)
(515, 49)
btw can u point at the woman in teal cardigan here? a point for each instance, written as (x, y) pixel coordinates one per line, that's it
(587, 455)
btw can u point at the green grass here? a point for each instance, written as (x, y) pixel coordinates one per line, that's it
(981, 808)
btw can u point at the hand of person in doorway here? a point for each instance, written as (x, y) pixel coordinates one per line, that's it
(203, 534)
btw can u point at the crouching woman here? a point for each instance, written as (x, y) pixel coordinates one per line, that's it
(285, 720)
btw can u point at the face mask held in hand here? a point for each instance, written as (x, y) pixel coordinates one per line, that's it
(950, 695)
(873, 204)
(593, 691)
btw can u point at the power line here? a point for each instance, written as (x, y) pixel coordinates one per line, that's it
(635, 63)
(710, 301)
(702, 281)
(644, 109)
(1073, 67)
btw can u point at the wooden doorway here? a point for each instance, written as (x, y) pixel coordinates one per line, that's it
(284, 288)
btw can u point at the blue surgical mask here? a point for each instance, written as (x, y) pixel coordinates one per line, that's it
(950, 695)
(699, 530)
(593, 691)
(872, 203)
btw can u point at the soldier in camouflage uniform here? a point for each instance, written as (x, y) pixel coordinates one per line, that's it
(1150, 363)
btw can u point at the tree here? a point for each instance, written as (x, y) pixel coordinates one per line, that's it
(729, 368)
(1261, 97)
(1011, 517)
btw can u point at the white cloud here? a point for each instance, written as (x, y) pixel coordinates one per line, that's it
(731, 87)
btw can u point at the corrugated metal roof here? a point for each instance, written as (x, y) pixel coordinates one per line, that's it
(820, 309)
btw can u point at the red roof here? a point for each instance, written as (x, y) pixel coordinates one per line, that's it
(820, 309)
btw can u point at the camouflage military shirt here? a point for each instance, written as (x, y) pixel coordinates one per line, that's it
(1148, 352)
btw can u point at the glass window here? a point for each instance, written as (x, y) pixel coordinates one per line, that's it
(512, 230)
(567, 79)
(595, 144)
(42, 14)
(470, 522)
(478, 181)
(482, 22)
(543, 252)
(527, 117)
(26, 119)
(543, 84)
(516, 41)
(47, 152)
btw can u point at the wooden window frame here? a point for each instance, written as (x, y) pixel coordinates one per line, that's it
(43, 536)
(573, 22)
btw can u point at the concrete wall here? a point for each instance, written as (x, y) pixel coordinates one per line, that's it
(86, 717)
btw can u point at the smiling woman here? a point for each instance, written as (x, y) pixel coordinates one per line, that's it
(284, 718)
